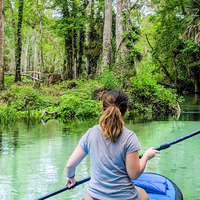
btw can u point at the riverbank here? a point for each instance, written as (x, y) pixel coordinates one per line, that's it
(79, 98)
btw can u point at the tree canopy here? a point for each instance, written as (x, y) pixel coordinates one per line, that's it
(78, 39)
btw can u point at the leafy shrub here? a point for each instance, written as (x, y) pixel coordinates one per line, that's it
(8, 80)
(23, 98)
(24, 101)
(78, 105)
(109, 81)
(146, 94)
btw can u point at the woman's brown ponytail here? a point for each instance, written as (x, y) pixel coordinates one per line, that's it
(114, 105)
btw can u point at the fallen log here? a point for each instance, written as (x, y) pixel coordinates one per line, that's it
(31, 72)
(33, 78)
(12, 74)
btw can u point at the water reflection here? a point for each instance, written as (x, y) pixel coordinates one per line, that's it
(190, 116)
(15, 139)
(191, 103)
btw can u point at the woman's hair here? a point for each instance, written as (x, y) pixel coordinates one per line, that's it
(114, 105)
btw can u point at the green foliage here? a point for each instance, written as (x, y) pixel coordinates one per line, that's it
(109, 81)
(146, 94)
(78, 104)
(24, 101)
(190, 47)
(7, 113)
(70, 36)
(8, 80)
(23, 98)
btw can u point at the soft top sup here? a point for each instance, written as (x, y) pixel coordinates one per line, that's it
(158, 187)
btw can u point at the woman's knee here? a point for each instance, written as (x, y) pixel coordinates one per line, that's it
(142, 194)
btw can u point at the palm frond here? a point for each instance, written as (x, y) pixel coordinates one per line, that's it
(197, 39)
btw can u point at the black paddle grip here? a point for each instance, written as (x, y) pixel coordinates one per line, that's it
(163, 146)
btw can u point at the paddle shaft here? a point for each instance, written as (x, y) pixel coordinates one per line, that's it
(168, 144)
(63, 189)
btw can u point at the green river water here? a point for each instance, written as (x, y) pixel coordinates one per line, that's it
(33, 155)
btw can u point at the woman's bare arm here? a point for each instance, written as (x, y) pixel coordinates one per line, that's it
(76, 157)
(136, 166)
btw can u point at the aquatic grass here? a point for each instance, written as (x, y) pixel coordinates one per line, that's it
(7, 113)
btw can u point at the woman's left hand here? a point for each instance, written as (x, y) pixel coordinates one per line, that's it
(71, 182)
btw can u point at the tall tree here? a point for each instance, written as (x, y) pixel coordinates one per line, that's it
(107, 34)
(19, 42)
(1, 45)
(94, 36)
(167, 48)
(68, 27)
(38, 11)
(122, 27)
(14, 35)
(193, 31)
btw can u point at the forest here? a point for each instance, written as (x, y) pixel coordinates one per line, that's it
(62, 55)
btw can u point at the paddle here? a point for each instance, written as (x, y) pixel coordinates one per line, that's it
(161, 147)
(63, 189)
(168, 144)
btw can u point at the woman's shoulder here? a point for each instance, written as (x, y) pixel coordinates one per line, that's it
(95, 128)
(128, 131)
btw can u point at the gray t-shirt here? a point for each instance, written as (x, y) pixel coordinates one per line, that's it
(109, 178)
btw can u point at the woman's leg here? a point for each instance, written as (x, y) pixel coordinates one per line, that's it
(142, 193)
(88, 197)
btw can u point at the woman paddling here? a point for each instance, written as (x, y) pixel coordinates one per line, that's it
(113, 151)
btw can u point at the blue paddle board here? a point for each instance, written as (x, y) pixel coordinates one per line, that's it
(158, 187)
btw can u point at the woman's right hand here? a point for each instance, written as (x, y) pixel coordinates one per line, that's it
(71, 182)
(150, 153)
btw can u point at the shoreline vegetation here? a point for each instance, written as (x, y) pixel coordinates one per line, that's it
(62, 56)
(81, 98)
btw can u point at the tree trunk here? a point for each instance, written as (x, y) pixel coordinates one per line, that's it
(13, 50)
(1, 45)
(84, 52)
(82, 39)
(68, 53)
(41, 41)
(13, 61)
(74, 53)
(81, 50)
(35, 57)
(107, 34)
(93, 47)
(68, 63)
(26, 53)
(19, 42)
(122, 26)
(196, 80)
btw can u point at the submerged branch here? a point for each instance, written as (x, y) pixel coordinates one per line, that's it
(48, 113)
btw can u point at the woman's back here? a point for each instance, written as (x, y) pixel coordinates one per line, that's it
(109, 179)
